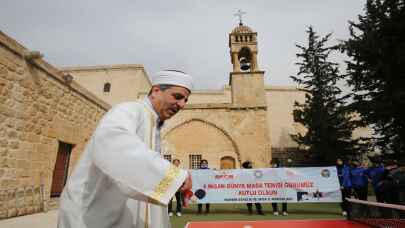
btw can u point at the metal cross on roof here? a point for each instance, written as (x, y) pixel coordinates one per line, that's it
(239, 14)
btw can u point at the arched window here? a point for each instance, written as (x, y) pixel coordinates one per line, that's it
(107, 87)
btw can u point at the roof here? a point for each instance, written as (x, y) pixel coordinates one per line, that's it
(241, 29)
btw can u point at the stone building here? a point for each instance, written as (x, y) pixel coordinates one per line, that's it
(114, 83)
(45, 121)
(246, 120)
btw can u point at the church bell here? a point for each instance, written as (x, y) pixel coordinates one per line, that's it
(244, 64)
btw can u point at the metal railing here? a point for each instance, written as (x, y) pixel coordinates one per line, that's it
(21, 201)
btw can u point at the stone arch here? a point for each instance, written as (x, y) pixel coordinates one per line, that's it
(226, 135)
(245, 51)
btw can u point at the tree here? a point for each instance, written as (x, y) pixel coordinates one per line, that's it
(324, 115)
(377, 74)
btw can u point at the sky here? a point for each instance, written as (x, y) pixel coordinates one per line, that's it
(186, 35)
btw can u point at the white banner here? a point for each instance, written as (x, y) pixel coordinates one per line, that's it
(315, 184)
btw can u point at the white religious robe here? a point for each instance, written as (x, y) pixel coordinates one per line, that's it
(120, 181)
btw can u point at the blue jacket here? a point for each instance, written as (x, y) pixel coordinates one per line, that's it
(375, 174)
(344, 176)
(359, 177)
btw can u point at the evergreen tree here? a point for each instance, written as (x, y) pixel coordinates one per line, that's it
(329, 129)
(376, 72)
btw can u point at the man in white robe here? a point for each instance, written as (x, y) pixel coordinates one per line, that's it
(121, 180)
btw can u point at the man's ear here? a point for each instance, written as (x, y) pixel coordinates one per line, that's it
(154, 89)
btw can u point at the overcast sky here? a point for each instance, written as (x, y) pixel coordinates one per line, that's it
(189, 35)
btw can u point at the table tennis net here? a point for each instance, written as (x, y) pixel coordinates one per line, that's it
(375, 214)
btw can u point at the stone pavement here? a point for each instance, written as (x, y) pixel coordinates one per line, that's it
(39, 220)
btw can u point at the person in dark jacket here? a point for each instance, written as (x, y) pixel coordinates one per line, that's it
(375, 174)
(345, 182)
(359, 181)
(248, 165)
(390, 182)
(400, 176)
(276, 164)
(204, 165)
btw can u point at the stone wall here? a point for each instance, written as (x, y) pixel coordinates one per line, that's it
(216, 131)
(206, 96)
(280, 104)
(210, 96)
(127, 81)
(39, 108)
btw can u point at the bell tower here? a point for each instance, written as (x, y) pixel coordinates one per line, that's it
(246, 80)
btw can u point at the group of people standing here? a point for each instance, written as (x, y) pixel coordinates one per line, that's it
(275, 164)
(386, 178)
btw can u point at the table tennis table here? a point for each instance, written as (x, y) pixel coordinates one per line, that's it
(278, 224)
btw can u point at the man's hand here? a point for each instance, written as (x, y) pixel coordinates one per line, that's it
(186, 189)
(187, 183)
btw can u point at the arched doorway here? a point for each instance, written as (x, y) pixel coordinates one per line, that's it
(228, 162)
(196, 139)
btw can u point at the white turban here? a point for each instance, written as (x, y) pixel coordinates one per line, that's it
(173, 77)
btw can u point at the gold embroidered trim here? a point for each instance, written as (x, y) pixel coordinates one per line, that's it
(164, 184)
(152, 135)
(151, 129)
(151, 146)
(146, 215)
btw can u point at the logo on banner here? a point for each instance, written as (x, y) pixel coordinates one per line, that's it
(224, 175)
(258, 174)
(200, 193)
(325, 173)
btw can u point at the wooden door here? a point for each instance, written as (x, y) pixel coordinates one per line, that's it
(60, 171)
(228, 163)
